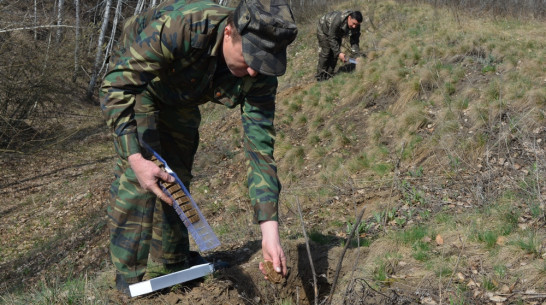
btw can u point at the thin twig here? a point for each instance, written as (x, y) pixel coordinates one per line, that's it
(315, 287)
(338, 269)
(456, 264)
(379, 292)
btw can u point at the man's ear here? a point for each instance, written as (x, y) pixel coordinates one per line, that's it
(227, 31)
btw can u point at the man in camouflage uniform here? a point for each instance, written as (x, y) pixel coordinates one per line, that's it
(170, 60)
(332, 27)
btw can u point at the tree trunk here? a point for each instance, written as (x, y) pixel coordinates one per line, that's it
(98, 57)
(139, 7)
(110, 44)
(35, 19)
(59, 21)
(77, 43)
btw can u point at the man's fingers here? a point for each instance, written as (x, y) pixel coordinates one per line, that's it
(165, 176)
(161, 195)
(277, 265)
(284, 268)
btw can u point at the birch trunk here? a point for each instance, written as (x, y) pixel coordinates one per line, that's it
(35, 19)
(110, 44)
(139, 7)
(77, 43)
(98, 57)
(59, 21)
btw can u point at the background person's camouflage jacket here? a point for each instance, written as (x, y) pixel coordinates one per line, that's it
(172, 52)
(334, 27)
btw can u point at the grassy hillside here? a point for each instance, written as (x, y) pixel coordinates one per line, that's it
(438, 133)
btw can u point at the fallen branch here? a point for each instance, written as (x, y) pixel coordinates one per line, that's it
(37, 27)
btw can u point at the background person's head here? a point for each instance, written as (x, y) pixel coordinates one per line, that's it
(354, 19)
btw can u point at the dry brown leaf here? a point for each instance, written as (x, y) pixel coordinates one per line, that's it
(460, 276)
(497, 298)
(439, 240)
(505, 289)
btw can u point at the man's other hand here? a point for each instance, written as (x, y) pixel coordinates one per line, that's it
(271, 247)
(148, 175)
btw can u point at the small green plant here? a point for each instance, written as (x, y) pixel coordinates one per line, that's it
(362, 228)
(488, 284)
(454, 162)
(425, 214)
(314, 140)
(417, 172)
(284, 302)
(488, 237)
(385, 267)
(222, 229)
(382, 168)
(411, 194)
(450, 88)
(530, 244)
(443, 271)
(488, 64)
(459, 297)
(380, 273)
(510, 221)
(421, 251)
(500, 270)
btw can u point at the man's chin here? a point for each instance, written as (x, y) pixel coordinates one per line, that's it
(238, 73)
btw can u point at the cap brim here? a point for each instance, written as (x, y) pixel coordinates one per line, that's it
(268, 63)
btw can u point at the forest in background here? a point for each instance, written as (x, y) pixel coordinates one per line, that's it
(54, 54)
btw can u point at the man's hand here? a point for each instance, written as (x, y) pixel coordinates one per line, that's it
(148, 174)
(271, 247)
(342, 57)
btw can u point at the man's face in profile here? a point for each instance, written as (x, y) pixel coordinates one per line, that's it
(352, 23)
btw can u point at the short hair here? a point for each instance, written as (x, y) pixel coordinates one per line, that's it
(356, 15)
(235, 35)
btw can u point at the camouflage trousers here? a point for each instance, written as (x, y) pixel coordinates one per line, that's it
(327, 61)
(139, 223)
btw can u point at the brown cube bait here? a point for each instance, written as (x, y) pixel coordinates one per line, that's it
(176, 193)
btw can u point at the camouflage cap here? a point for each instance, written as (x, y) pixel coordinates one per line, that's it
(267, 27)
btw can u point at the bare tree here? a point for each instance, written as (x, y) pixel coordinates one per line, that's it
(110, 44)
(139, 7)
(35, 19)
(59, 21)
(98, 57)
(77, 42)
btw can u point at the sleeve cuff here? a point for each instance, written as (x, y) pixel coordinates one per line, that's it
(127, 145)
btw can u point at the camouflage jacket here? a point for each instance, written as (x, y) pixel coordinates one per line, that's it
(333, 26)
(172, 53)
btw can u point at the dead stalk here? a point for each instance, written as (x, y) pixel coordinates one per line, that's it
(315, 287)
(457, 263)
(328, 300)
